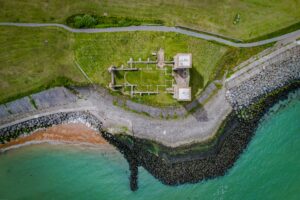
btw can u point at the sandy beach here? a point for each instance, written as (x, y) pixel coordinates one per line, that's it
(64, 133)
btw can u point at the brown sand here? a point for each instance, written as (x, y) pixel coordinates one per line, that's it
(69, 133)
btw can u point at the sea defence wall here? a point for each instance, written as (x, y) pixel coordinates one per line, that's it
(44, 100)
(264, 76)
(197, 126)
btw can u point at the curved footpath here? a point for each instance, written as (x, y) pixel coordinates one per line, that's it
(291, 35)
(245, 86)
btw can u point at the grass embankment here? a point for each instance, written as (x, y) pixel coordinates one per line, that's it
(243, 20)
(234, 57)
(94, 21)
(33, 59)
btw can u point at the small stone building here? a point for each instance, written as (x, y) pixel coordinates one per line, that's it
(183, 61)
(182, 64)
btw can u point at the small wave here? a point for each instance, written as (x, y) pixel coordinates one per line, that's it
(84, 145)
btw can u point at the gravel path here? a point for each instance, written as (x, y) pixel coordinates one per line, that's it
(197, 127)
(204, 36)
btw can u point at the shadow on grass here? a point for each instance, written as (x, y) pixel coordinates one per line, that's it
(194, 108)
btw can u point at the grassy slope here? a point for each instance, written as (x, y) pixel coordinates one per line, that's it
(257, 17)
(28, 63)
(34, 59)
(233, 57)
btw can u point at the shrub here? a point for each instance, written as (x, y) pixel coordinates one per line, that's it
(91, 21)
(85, 21)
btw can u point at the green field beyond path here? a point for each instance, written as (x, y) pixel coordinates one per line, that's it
(32, 59)
(238, 19)
(35, 59)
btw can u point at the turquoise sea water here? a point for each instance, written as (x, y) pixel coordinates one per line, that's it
(268, 169)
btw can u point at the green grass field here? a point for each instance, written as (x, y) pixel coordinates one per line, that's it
(238, 19)
(96, 52)
(32, 59)
(146, 79)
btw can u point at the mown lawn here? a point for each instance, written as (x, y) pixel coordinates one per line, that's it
(32, 59)
(146, 79)
(238, 19)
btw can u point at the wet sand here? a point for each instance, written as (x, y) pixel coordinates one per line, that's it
(64, 133)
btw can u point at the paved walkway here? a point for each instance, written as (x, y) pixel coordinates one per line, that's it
(204, 36)
(196, 127)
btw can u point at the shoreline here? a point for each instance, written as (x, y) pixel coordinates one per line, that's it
(233, 140)
(151, 142)
(71, 134)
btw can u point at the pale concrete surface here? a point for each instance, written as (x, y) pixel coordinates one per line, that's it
(169, 132)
